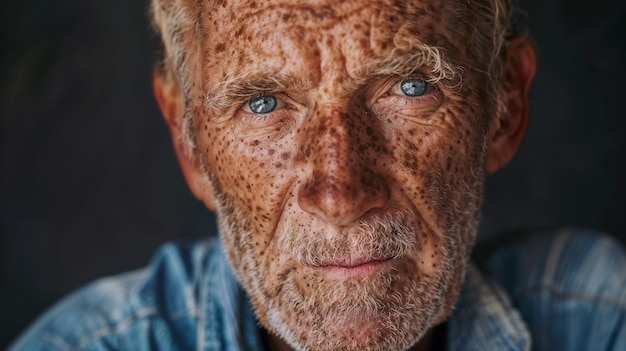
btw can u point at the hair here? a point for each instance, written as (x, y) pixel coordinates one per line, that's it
(173, 24)
(494, 29)
(178, 26)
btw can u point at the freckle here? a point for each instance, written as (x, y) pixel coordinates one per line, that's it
(219, 47)
(262, 164)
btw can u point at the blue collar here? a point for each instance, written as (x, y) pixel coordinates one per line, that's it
(485, 319)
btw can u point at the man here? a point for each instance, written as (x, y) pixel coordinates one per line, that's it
(343, 146)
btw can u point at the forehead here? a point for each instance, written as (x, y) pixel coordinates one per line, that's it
(274, 34)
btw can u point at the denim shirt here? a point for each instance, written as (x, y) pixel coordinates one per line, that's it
(560, 291)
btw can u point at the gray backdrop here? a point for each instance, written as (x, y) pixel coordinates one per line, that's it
(89, 185)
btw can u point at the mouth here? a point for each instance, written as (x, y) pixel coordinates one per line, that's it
(353, 268)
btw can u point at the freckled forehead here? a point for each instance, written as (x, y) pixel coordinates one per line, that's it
(278, 34)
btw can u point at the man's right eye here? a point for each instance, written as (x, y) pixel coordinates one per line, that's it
(262, 104)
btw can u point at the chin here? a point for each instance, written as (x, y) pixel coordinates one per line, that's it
(388, 311)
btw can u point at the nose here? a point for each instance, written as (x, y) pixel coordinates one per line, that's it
(343, 184)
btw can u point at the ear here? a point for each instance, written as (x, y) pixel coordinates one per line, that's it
(172, 104)
(507, 130)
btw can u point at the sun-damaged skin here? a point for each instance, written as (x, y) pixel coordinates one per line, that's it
(349, 211)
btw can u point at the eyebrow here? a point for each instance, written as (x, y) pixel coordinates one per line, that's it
(249, 85)
(424, 59)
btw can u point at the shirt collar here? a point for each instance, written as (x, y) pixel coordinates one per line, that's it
(226, 320)
(485, 319)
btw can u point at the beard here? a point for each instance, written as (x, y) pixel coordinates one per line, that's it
(376, 312)
(387, 310)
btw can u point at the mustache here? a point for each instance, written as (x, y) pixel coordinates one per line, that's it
(375, 238)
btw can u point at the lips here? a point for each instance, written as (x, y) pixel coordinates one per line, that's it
(342, 269)
(349, 262)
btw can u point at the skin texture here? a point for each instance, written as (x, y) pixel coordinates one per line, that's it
(348, 213)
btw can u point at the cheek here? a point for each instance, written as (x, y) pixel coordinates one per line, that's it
(253, 174)
(438, 159)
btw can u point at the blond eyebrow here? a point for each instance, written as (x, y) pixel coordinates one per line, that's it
(244, 86)
(424, 59)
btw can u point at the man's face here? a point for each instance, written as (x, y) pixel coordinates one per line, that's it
(347, 176)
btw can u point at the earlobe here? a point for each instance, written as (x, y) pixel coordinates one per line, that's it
(507, 130)
(171, 103)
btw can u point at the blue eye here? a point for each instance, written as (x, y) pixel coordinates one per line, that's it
(262, 104)
(414, 87)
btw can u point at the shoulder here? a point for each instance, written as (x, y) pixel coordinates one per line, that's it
(562, 261)
(568, 284)
(134, 310)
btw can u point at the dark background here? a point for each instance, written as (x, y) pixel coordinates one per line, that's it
(89, 184)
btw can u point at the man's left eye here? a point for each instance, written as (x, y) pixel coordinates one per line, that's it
(262, 104)
(413, 87)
